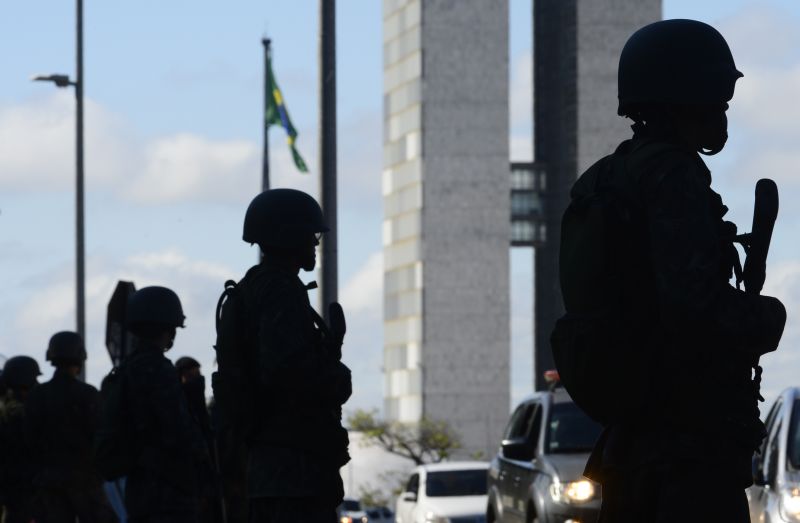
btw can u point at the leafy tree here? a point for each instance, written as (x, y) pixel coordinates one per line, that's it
(428, 441)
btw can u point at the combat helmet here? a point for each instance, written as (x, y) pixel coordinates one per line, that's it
(66, 347)
(155, 306)
(20, 372)
(185, 363)
(675, 62)
(282, 218)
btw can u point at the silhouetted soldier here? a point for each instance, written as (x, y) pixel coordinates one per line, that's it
(193, 384)
(678, 442)
(62, 418)
(16, 459)
(163, 485)
(298, 384)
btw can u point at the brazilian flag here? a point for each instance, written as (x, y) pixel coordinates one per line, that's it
(277, 114)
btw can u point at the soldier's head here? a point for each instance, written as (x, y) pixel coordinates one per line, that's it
(20, 375)
(153, 314)
(675, 80)
(287, 224)
(188, 368)
(66, 351)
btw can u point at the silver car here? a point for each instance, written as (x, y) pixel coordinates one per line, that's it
(536, 476)
(775, 494)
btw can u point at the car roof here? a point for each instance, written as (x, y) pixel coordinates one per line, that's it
(454, 465)
(559, 395)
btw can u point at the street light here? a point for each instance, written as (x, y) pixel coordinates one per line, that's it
(62, 80)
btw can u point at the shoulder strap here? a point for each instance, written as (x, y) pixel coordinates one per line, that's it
(231, 288)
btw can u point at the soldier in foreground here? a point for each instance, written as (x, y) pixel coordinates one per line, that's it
(62, 416)
(16, 469)
(163, 485)
(656, 343)
(280, 377)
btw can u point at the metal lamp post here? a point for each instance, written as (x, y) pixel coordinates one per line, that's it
(62, 80)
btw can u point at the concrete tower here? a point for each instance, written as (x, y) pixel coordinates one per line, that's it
(446, 187)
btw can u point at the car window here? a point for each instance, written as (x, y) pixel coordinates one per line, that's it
(569, 429)
(520, 422)
(793, 448)
(351, 505)
(773, 413)
(514, 421)
(413, 483)
(772, 455)
(471, 482)
(534, 427)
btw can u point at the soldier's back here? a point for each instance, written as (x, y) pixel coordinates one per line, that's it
(164, 480)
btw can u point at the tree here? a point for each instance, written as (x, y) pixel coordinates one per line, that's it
(428, 441)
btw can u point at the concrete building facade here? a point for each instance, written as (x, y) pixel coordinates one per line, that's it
(446, 234)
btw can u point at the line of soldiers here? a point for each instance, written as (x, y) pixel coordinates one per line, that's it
(271, 455)
(46, 431)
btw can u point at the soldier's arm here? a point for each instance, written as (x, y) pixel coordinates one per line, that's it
(690, 272)
(290, 357)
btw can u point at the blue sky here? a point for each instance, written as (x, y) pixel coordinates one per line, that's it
(173, 152)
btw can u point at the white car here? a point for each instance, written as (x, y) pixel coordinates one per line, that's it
(444, 493)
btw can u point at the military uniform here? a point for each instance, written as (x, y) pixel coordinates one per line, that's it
(700, 418)
(299, 444)
(16, 469)
(163, 486)
(62, 415)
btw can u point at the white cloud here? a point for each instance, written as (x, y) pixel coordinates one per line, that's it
(185, 164)
(37, 152)
(52, 306)
(764, 111)
(37, 144)
(363, 293)
(362, 300)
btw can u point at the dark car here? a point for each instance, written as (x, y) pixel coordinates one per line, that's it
(536, 476)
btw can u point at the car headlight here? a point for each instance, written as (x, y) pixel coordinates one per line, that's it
(430, 517)
(572, 492)
(790, 504)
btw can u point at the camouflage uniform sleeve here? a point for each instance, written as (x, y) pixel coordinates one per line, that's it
(291, 357)
(691, 272)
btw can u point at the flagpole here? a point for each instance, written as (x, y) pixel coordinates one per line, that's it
(266, 42)
(327, 151)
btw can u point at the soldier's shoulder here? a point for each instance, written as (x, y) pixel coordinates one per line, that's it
(264, 283)
(652, 162)
(86, 389)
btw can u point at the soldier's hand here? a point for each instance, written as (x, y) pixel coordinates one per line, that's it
(773, 320)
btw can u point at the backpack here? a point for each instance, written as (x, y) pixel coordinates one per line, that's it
(115, 444)
(600, 345)
(233, 381)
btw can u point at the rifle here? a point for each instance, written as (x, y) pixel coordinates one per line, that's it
(756, 243)
(756, 247)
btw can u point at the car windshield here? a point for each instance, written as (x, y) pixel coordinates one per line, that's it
(570, 430)
(471, 482)
(351, 505)
(793, 452)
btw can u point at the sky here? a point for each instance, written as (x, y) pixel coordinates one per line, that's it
(173, 150)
